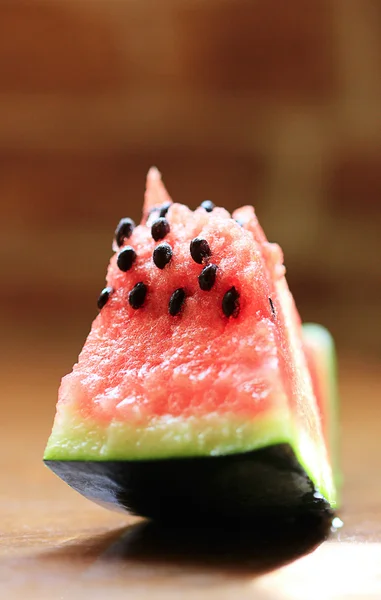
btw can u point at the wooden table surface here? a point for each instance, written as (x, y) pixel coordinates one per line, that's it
(54, 544)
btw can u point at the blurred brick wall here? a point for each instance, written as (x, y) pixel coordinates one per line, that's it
(243, 101)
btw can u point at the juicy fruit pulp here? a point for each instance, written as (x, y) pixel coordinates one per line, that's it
(174, 367)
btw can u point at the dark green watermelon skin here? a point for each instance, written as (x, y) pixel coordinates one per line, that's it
(239, 487)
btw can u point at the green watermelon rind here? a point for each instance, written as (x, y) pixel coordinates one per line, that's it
(166, 437)
(163, 437)
(322, 339)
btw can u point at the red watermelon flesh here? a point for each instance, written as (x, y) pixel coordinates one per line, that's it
(151, 384)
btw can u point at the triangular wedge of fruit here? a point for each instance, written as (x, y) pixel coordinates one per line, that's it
(198, 394)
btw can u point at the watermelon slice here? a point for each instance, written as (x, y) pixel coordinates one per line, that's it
(321, 359)
(193, 392)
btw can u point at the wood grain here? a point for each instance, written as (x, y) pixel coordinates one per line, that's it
(55, 544)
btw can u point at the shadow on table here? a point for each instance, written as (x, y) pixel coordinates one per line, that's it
(254, 550)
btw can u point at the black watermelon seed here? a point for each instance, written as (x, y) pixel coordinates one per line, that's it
(208, 205)
(230, 303)
(137, 295)
(272, 307)
(241, 223)
(104, 296)
(162, 255)
(176, 301)
(164, 209)
(126, 258)
(207, 277)
(160, 228)
(124, 230)
(200, 250)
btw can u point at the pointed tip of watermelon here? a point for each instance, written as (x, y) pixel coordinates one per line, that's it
(153, 173)
(156, 193)
(247, 217)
